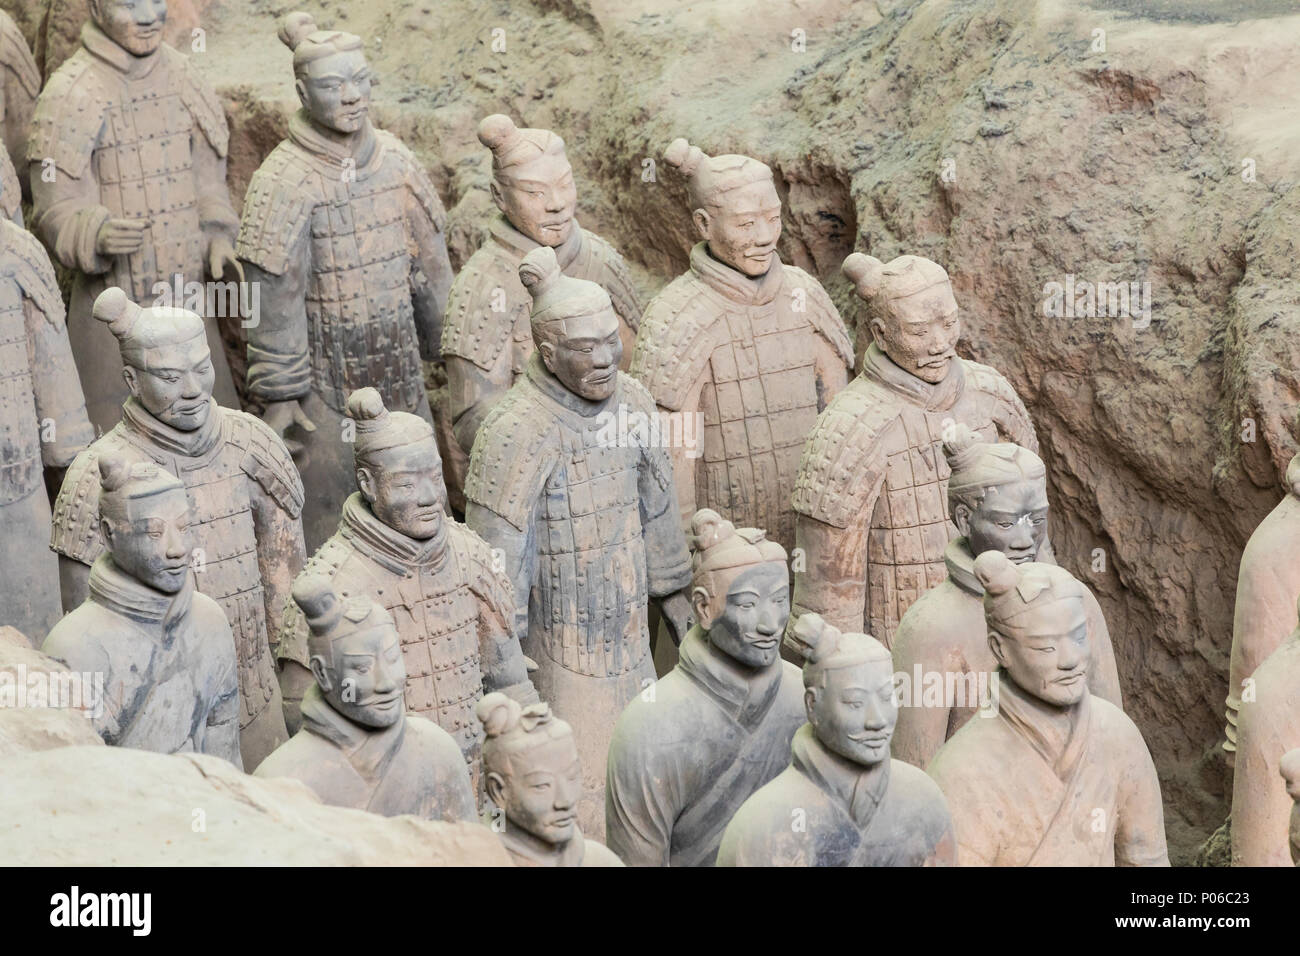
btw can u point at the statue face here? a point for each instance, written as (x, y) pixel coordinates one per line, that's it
(539, 198)
(753, 617)
(742, 231)
(1053, 664)
(134, 25)
(585, 357)
(176, 387)
(367, 678)
(405, 488)
(1012, 519)
(336, 90)
(921, 336)
(154, 545)
(854, 712)
(542, 790)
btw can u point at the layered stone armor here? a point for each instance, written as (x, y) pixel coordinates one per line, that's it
(871, 494)
(42, 424)
(246, 498)
(138, 138)
(759, 358)
(20, 83)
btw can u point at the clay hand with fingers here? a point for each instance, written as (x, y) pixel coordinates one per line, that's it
(221, 259)
(120, 237)
(281, 415)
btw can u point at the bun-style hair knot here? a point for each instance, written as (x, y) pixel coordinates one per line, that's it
(296, 27)
(995, 572)
(539, 270)
(865, 272)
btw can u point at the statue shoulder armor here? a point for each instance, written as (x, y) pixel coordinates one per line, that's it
(1007, 410)
(266, 459)
(616, 279)
(475, 556)
(843, 461)
(277, 210)
(201, 100)
(471, 330)
(75, 522)
(69, 116)
(515, 450)
(675, 340)
(29, 264)
(822, 314)
(417, 179)
(17, 57)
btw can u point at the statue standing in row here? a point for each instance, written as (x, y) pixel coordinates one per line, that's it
(487, 338)
(20, 84)
(245, 495)
(584, 517)
(753, 344)
(138, 198)
(343, 231)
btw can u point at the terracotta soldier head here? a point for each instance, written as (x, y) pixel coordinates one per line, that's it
(574, 326)
(165, 358)
(356, 657)
(1290, 767)
(532, 769)
(997, 495)
(532, 181)
(134, 25)
(848, 684)
(330, 73)
(144, 517)
(740, 589)
(734, 205)
(399, 470)
(1038, 627)
(914, 316)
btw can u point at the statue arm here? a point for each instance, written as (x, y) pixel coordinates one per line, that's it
(833, 582)
(831, 372)
(280, 557)
(431, 273)
(222, 733)
(217, 217)
(67, 216)
(516, 550)
(683, 464)
(1103, 682)
(921, 730)
(505, 668)
(56, 386)
(472, 391)
(279, 367)
(668, 562)
(639, 811)
(1140, 827)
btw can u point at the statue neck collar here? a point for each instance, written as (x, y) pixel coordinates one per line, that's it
(745, 693)
(387, 546)
(879, 367)
(552, 388)
(338, 148)
(733, 283)
(520, 245)
(193, 444)
(858, 789)
(368, 749)
(103, 47)
(113, 588)
(520, 843)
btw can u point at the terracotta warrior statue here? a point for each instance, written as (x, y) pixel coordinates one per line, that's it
(486, 340)
(454, 612)
(534, 783)
(358, 747)
(688, 752)
(752, 344)
(138, 200)
(872, 489)
(582, 515)
(344, 232)
(20, 82)
(165, 650)
(842, 801)
(1268, 586)
(245, 495)
(1052, 775)
(997, 498)
(1291, 773)
(1268, 726)
(43, 426)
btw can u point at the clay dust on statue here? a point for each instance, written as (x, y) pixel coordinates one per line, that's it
(358, 747)
(170, 681)
(20, 83)
(751, 348)
(687, 752)
(245, 495)
(43, 426)
(343, 231)
(584, 522)
(1053, 776)
(486, 340)
(871, 494)
(997, 499)
(533, 779)
(141, 203)
(843, 801)
(454, 611)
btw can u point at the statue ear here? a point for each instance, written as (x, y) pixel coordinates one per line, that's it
(495, 785)
(366, 483)
(700, 605)
(548, 355)
(106, 532)
(132, 378)
(810, 704)
(997, 647)
(878, 333)
(961, 518)
(702, 221)
(300, 87)
(497, 196)
(319, 671)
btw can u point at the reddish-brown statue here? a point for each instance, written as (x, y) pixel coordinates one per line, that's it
(486, 340)
(245, 495)
(358, 747)
(872, 489)
(582, 515)
(454, 611)
(138, 204)
(534, 783)
(997, 498)
(43, 426)
(753, 345)
(1050, 775)
(343, 231)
